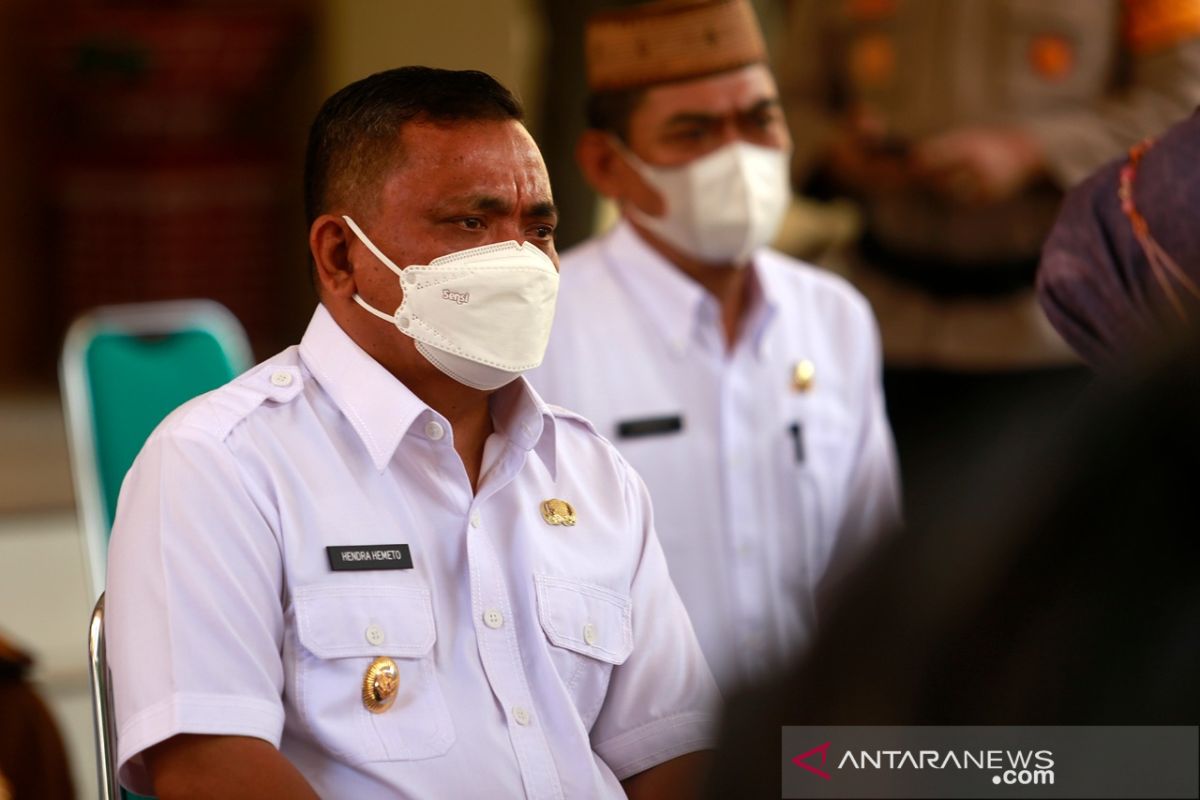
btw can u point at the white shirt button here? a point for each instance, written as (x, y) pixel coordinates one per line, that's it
(281, 378)
(475, 519)
(493, 618)
(589, 633)
(374, 634)
(434, 430)
(521, 715)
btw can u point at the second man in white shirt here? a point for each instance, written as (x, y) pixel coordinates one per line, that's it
(743, 385)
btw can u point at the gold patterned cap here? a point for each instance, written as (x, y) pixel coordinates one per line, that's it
(670, 40)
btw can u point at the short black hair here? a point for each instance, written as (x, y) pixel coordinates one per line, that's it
(354, 137)
(610, 111)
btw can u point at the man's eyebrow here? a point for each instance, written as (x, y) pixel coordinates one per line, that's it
(543, 209)
(692, 118)
(474, 202)
(762, 105)
(700, 118)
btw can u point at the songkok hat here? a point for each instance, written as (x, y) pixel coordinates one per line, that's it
(1121, 268)
(670, 40)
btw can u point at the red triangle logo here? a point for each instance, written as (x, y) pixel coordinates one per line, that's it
(823, 749)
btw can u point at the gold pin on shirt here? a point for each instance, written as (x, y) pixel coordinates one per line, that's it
(803, 374)
(380, 685)
(558, 512)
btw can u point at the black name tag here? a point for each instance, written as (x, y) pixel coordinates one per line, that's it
(654, 426)
(373, 556)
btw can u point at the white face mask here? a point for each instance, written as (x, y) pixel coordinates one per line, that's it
(482, 316)
(722, 207)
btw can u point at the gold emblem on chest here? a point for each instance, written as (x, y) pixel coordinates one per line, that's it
(558, 512)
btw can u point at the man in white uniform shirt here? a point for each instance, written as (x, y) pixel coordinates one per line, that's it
(742, 385)
(378, 564)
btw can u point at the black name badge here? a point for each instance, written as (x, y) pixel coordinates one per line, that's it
(652, 426)
(371, 556)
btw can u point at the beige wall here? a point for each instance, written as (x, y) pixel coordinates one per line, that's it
(500, 37)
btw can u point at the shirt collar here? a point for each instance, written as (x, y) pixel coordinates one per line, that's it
(675, 303)
(381, 409)
(521, 416)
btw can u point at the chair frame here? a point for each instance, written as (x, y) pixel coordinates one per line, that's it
(137, 319)
(102, 711)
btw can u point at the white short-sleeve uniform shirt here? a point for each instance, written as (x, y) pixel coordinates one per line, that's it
(758, 484)
(534, 660)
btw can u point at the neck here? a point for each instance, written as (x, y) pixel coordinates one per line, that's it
(467, 410)
(728, 284)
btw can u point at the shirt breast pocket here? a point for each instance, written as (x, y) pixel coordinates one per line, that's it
(590, 629)
(819, 443)
(341, 631)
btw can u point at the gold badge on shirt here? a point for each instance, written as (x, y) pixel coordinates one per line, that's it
(803, 375)
(558, 512)
(380, 685)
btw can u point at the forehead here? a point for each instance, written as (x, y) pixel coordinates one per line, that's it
(716, 95)
(494, 157)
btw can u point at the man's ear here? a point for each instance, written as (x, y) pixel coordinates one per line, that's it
(611, 174)
(329, 242)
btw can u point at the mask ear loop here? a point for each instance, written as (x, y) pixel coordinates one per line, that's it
(387, 262)
(362, 237)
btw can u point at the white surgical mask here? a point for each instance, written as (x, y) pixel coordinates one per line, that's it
(722, 207)
(482, 316)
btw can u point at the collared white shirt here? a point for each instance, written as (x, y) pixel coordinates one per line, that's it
(756, 484)
(535, 660)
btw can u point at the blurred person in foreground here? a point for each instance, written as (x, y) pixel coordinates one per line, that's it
(1061, 591)
(33, 761)
(378, 564)
(1121, 269)
(743, 385)
(957, 127)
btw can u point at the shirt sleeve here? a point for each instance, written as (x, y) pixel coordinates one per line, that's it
(662, 702)
(1098, 303)
(194, 619)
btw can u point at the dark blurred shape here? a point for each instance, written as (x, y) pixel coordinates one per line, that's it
(1061, 591)
(1118, 276)
(168, 138)
(33, 763)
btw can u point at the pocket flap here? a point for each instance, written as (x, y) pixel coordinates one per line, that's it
(351, 622)
(586, 619)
